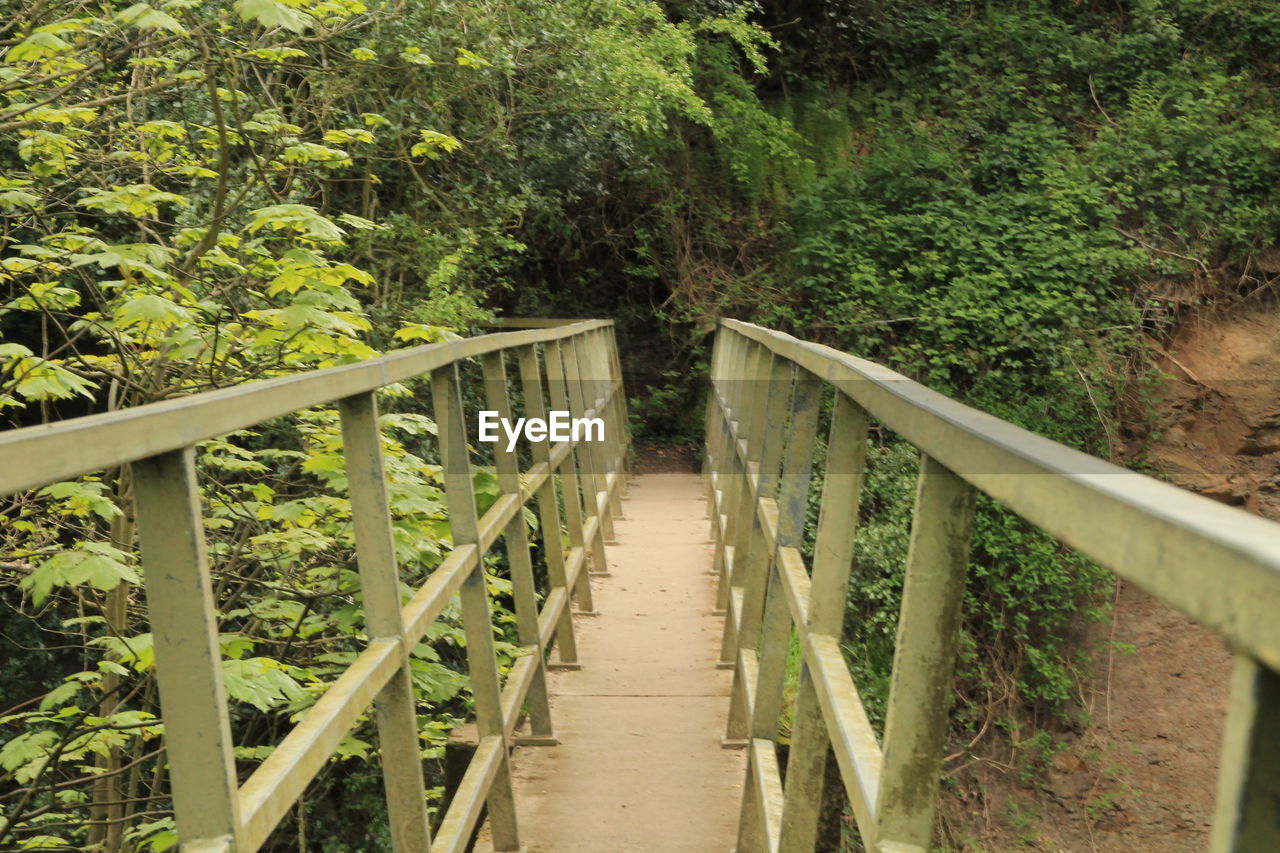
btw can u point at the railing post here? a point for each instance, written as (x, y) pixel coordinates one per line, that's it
(759, 822)
(399, 749)
(482, 665)
(924, 656)
(184, 628)
(739, 417)
(1248, 812)
(622, 427)
(517, 540)
(548, 507)
(793, 495)
(569, 486)
(832, 562)
(752, 560)
(725, 473)
(710, 432)
(761, 407)
(590, 457)
(601, 362)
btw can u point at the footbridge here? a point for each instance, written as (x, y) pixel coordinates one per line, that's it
(635, 704)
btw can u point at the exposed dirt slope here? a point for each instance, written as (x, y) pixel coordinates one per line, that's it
(1219, 424)
(1140, 773)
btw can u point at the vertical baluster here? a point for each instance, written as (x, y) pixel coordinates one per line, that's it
(399, 748)
(752, 561)
(720, 463)
(793, 498)
(482, 665)
(600, 363)
(737, 424)
(184, 627)
(517, 540)
(713, 436)
(587, 471)
(710, 429)
(744, 405)
(1248, 813)
(754, 413)
(548, 508)
(616, 420)
(591, 367)
(620, 407)
(832, 562)
(924, 656)
(775, 626)
(569, 487)
(590, 459)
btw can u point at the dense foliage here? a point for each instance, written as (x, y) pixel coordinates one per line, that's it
(1002, 200)
(1007, 202)
(195, 194)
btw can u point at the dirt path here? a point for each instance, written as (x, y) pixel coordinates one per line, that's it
(639, 768)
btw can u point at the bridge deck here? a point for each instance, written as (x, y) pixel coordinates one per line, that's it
(639, 766)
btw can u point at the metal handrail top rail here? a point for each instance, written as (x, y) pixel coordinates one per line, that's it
(34, 456)
(1164, 539)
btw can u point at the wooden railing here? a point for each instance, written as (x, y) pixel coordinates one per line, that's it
(215, 814)
(1217, 564)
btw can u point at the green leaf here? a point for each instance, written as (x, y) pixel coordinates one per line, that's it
(137, 651)
(433, 144)
(83, 498)
(311, 152)
(424, 332)
(466, 57)
(151, 309)
(28, 748)
(415, 56)
(96, 564)
(36, 46)
(59, 695)
(134, 199)
(299, 218)
(278, 54)
(42, 379)
(12, 199)
(261, 682)
(352, 747)
(271, 14)
(342, 136)
(143, 17)
(112, 667)
(359, 222)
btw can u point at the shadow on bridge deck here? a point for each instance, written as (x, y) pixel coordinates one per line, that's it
(639, 766)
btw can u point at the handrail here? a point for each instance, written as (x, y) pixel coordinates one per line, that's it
(34, 456)
(1219, 565)
(578, 365)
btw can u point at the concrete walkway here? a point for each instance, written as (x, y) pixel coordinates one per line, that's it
(639, 768)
